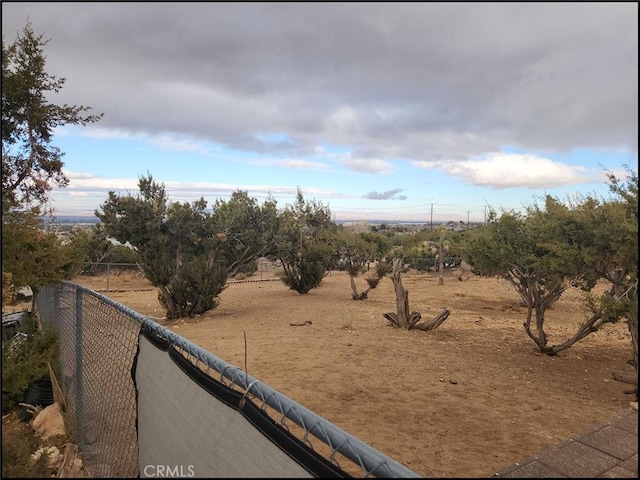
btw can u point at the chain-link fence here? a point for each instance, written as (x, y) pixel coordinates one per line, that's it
(99, 346)
(432, 263)
(102, 268)
(98, 343)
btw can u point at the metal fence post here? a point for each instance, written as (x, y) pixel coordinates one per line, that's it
(55, 317)
(79, 380)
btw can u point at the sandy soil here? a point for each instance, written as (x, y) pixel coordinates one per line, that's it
(465, 400)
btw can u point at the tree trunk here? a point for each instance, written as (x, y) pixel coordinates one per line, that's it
(402, 318)
(362, 296)
(435, 322)
(34, 294)
(630, 380)
(171, 306)
(371, 281)
(354, 290)
(632, 322)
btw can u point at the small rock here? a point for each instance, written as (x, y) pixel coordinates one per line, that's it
(49, 422)
(77, 464)
(634, 405)
(452, 381)
(53, 453)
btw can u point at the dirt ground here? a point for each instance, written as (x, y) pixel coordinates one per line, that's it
(465, 400)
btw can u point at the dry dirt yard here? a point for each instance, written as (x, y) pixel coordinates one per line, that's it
(465, 400)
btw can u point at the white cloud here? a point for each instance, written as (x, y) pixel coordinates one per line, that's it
(366, 165)
(77, 175)
(181, 144)
(388, 195)
(342, 119)
(86, 181)
(104, 133)
(292, 163)
(507, 170)
(87, 185)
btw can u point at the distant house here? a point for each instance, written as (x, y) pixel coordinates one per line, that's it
(456, 226)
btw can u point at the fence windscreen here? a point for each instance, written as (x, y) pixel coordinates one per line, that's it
(147, 402)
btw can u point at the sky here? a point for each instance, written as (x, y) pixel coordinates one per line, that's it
(424, 112)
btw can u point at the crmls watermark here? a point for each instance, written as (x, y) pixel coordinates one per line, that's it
(168, 471)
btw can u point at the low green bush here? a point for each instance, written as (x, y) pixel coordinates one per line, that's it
(25, 362)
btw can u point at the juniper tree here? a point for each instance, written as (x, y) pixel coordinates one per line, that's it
(31, 164)
(305, 244)
(559, 246)
(185, 249)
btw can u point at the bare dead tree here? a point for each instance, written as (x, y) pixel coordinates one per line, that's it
(402, 318)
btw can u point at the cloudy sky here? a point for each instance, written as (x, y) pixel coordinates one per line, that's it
(394, 111)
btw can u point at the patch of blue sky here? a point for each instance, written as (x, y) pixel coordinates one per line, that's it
(275, 138)
(133, 156)
(333, 149)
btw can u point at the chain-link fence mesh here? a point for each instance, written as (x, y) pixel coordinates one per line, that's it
(425, 264)
(110, 268)
(98, 343)
(98, 348)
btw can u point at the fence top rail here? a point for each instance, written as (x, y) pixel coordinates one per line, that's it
(372, 461)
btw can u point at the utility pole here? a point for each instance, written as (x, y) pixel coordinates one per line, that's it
(468, 218)
(432, 217)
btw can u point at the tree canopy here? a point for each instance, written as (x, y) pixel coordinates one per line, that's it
(186, 249)
(560, 245)
(305, 244)
(31, 164)
(357, 252)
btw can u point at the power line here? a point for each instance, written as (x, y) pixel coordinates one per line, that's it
(417, 207)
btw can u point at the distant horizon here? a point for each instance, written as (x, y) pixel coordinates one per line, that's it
(93, 219)
(426, 213)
